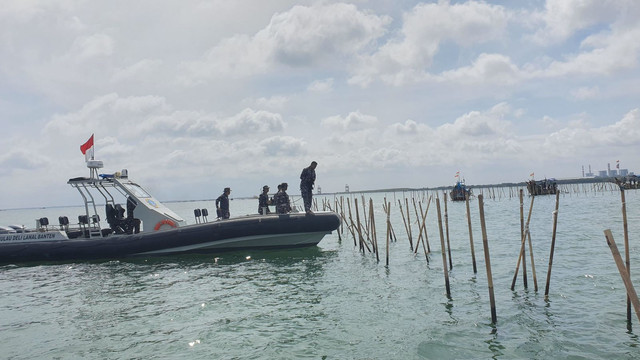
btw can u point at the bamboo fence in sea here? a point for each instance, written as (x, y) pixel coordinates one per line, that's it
(362, 228)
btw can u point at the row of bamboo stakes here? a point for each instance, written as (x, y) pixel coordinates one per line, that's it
(364, 237)
(494, 192)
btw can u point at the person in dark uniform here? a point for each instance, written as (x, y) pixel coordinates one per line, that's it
(222, 204)
(264, 201)
(133, 224)
(307, 180)
(281, 199)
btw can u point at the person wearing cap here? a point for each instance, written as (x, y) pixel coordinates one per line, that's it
(222, 204)
(264, 201)
(307, 179)
(281, 199)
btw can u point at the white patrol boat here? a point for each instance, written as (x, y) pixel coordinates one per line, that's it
(150, 228)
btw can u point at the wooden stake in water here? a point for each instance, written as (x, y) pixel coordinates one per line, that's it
(626, 245)
(425, 241)
(522, 245)
(444, 255)
(553, 245)
(406, 201)
(373, 230)
(631, 291)
(404, 220)
(473, 253)
(533, 264)
(360, 238)
(351, 223)
(388, 237)
(522, 233)
(446, 225)
(487, 260)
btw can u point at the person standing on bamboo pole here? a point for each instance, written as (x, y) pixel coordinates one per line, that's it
(307, 180)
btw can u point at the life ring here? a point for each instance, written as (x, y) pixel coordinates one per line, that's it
(164, 222)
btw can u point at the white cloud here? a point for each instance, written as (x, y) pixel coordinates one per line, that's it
(302, 36)
(251, 121)
(586, 93)
(321, 86)
(87, 47)
(353, 121)
(407, 57)
(283, 146)
(488, 68)
(140, 70)
(563, 18)
(273, 102)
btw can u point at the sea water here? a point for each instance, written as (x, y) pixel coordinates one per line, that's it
(333, 301)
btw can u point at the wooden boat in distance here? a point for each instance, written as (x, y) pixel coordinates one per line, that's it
(542, 187)
(627, 182)
(459, 191)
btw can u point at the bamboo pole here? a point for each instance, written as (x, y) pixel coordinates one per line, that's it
(388, 238)
(360, 238)
(422, 227)
(487, 260)
(341, 213)
(404, 220)
(425, 241)
(444, 254)
(366, 219)
(473, 253)
(522, 233)
(522, 245)
(553, 245)
(409, 223)
(446, 225)
(533, 265)
(415, 209)
(631, 291)
(626, 245)
(352, 225)
(388, 222)
(373, 229)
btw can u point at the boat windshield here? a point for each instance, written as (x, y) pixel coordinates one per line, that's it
(136, 190)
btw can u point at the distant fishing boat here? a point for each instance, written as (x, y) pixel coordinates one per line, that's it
(628, 182)
(460, 191)
(542, 187)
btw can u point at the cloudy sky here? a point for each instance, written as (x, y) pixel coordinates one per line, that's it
(194, 95)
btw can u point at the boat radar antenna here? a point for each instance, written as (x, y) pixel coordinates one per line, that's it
(93, 166)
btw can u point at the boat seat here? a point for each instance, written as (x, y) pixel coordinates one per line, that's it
(44, 222)
(64, 223)
(197, 213)
(205, 213)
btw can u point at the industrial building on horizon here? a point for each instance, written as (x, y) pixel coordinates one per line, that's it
(609, 172)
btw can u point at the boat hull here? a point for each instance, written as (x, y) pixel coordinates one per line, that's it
(249, 232)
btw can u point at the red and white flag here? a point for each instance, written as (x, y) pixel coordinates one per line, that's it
(87, 149)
